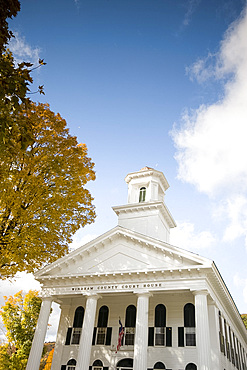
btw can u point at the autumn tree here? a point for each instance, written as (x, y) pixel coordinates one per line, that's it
(43, 200)
(15, 80)
(244, 318)
(49, 360)
(19, 314)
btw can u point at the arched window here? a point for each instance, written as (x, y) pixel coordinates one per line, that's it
(125, 364)
(103, 317)
(130, 323)
(102, 325)
(71, 364)
(98, 365)
(191, 366)
(78, 317)
(160, 324)
(77, 325)
(189, 324)
(189, 315)
(142, 194)
(159, 366)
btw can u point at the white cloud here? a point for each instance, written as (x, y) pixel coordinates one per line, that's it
(241, 283)
(236, 208)
(22, 51)
(79, 239)
(202, 69)
(22, 281)
(53, 323)
(25, 282)
(211, 142)
(185, 236)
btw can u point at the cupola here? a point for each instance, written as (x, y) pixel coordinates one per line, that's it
(146, 185)
(146, 211)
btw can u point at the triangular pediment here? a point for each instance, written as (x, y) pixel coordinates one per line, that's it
(120, 251)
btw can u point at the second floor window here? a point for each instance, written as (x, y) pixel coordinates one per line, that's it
(160, 324)
(142, 194)
(74, 333)
(130, 323)
(102, 325)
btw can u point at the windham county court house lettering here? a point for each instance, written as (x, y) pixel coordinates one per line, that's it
(175, 308)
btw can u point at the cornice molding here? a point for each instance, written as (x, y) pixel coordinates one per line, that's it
(146, 206)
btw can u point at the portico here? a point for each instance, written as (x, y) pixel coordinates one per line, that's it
(167, 299)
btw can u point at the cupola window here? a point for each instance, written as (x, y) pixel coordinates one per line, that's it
(142, 195)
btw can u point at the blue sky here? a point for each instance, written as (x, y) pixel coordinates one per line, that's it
(158, 83)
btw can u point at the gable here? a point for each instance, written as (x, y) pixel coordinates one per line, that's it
(121, 251)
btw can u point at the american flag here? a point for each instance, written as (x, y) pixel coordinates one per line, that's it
(120, 336)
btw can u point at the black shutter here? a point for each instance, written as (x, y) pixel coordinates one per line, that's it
(63, 367)
(168, 337)
(105, 367)
(150, 336)
(180, 337)
(108, 336)
(90, 367)
(68, 336)
(94, 336)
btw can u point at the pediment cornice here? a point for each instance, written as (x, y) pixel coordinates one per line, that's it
(165, 249)
(150, 206)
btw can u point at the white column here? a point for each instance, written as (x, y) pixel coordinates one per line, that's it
(213, 316)
(202, 330)
(39, 335)
(83, 360)
(64, 323)
(141, 333)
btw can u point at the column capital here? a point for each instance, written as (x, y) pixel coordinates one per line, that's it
(47, 298)
(142, 293)
(200, 292)
(94, 296)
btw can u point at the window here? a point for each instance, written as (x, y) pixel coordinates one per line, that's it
(142, 194)
(71, 364)
(160, 335)
(98, 365)
(222, 340)
(130, 323)
(227, 343)
(159, 366)
(102, 325)
(232, 350)
(102, 334)
(76, 336)
(160, 323)
(74, 333)
(189, 324)
(191, 366)
(125, 364)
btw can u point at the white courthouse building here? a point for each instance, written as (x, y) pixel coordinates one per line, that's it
(175, 308)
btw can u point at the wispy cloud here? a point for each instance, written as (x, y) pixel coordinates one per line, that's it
(77, 3)
(186, 237)
(192, 5)
(211, 142)
(22, 51)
